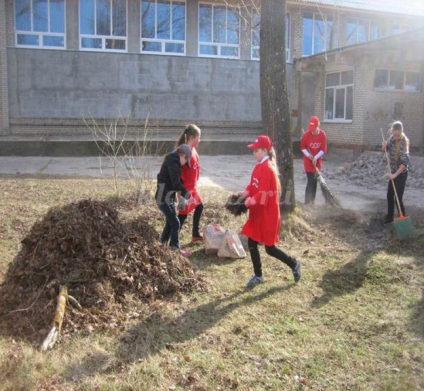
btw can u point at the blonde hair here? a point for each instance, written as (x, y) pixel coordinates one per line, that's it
(398, 126)
(190, 131)
(274, 167)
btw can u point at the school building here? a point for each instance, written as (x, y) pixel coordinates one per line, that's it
(160, 64)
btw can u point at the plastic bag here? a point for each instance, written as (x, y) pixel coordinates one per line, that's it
(231, 246)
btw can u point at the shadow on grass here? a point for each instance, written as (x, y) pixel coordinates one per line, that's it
(147, 338)
(343, 281)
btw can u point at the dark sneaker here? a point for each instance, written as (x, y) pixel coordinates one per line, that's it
(388, 220)
(296, 271)
(254, 280)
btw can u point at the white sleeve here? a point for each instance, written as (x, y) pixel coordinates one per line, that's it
(319, 154)
(306, 152)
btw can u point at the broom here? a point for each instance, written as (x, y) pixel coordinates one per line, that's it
(329, 196)
(403, 224)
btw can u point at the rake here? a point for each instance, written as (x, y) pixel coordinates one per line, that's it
(403, 224)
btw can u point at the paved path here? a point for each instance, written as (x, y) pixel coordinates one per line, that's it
(228, 172)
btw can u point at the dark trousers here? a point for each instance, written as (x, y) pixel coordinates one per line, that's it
(311, 188)
(196, 220)
(271, 250)
(400, 182)
(172, 225)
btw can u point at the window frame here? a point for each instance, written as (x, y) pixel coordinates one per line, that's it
(163, 42)
(370, 24)
(335, 88)
(255, 27)
(389, 71)
(333, 36)
(103, 37)
(40, 34)
(219, 46)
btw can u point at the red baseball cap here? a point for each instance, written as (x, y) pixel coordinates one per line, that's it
(261, 142)
(313, 123)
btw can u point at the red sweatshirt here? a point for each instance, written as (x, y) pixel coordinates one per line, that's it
(313, 143)
(263, 224)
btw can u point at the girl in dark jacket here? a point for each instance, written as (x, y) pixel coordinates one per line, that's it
(168, 185)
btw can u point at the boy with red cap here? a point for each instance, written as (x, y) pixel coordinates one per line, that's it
(262, 199)
(313, 145)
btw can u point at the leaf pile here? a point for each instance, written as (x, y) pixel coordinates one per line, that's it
(235, 204)
(109, 266)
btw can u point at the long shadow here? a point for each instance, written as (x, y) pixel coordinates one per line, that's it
(144, 339)
(343, 281)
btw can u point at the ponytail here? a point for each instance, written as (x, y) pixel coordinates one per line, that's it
(190, 131)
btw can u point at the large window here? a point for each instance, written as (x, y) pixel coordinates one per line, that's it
(219, 31)
(163, 25)
(361, 30)
(339, 96)
(40, 23)
(255, 36)
(391, 79)
(103, 25)
(318, 33)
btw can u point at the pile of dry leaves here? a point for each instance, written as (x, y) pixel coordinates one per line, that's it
(108, 265)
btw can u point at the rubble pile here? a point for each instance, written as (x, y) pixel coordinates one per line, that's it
(108, 265)
(369, 170)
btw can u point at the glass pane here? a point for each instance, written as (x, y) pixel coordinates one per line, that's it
(87, 17)
(375, 29)
(347, 77)
(362, 30)
(151, 46)
(287, 31)
(53, 41)
(396, 80)
(40, 15)
(164, 20)
(255, 53)
(381, 78)
(307, 34)
(255, 38)
(178, 21)
(119, 18)
(219, 24)
(57, 16)
(340, 103)
(103, 17)
(349, 103)
(23, 15)
(229, 51)
(319, 34)
(329, 103)
(351, 32)
(329, 35)
(148, 19)
(91, 43)
(412, 81)
(174, 48)
(208, 50)
(115, 44)
(205, 23)
(27, 39)
(332, 79)
(233, 27)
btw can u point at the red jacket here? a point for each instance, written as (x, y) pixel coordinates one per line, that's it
(263, 224)
(190, 176)
(313, 143)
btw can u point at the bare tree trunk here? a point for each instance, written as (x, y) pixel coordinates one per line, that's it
(274, 93)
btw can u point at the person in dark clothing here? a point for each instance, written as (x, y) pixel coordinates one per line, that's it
(397, 150)
(168, 185)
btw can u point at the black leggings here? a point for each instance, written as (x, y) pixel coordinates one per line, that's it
(271, 250)
(400, 182)
(311, 188)
(196, 220)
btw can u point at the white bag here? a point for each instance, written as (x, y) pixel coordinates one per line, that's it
(212, 236)
(231, 246)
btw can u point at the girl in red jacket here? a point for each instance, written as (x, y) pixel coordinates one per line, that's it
(262, 199)
(189, 176)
